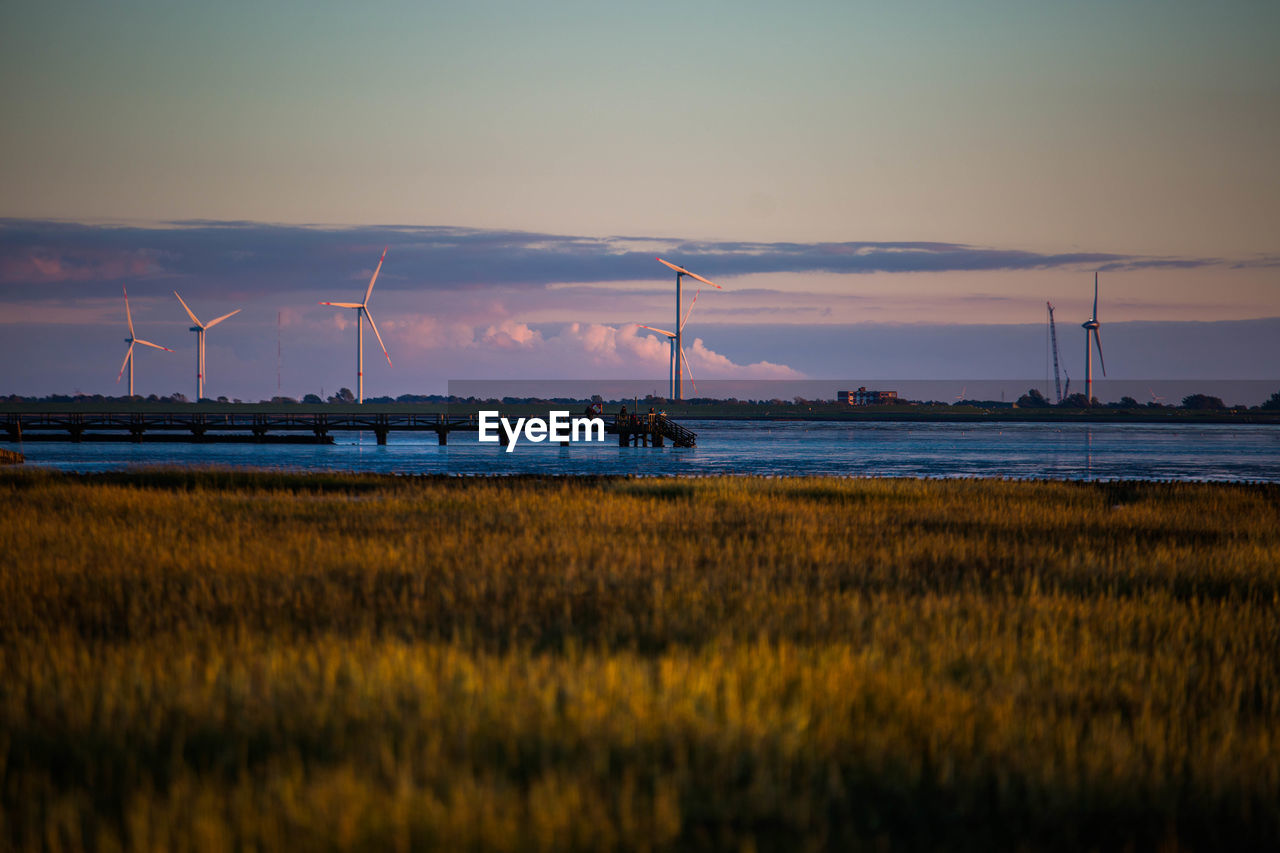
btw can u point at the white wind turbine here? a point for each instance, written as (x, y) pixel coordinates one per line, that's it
(1091, 326)
(362, 311)
(674, 339)
(199, 328)
(131, 340)
(681, 272)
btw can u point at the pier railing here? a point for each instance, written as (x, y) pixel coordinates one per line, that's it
(651, 430)
(200, 426)
(641, 430)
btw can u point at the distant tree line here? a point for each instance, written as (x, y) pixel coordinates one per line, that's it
(1033, 399)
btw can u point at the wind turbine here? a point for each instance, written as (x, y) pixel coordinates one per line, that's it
(362, 311)
(131, 340)
(681, 272)
(674, 340)
(1091, 325)
(199, 328)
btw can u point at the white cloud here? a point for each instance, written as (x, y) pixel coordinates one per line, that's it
(607, 346)
(459, 346)
(713, 365)
(511, 335)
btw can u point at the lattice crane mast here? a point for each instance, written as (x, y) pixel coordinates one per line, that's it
(1053, 339)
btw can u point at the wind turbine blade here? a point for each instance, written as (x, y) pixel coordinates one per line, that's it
(374, 326)
(659, 331)
(684, 271)
(1097, 339)
(149, 344)
(1095, 296)
(376, 270)
(128, 315)
(125, 363)
(704, 280)
(190, 313)
(344, 304)
(687, 369)
(213, 323)
(690, 311)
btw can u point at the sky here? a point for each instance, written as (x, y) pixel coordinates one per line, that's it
(884, 190)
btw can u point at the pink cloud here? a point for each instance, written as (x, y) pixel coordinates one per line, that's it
(459, 346)
(610, 346)
(510, 335)
(37, 265)
(713, 365)
(427, 332)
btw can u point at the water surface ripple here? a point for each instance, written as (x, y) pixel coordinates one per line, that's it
(778, 448)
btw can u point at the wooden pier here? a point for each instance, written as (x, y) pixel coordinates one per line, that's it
(291, 427)
(649, 431)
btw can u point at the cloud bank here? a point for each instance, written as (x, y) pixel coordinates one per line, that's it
(468, 303)
(285, 257)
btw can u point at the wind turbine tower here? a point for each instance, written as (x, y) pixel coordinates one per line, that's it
(671, 366)
(199, 328)
(362, 311)
(676, 352)
(1091, 327)
(131, 340)
(681, 272)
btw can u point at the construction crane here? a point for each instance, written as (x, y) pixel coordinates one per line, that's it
(1053, 338)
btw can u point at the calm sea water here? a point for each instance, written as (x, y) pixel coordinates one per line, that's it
(1054, 451)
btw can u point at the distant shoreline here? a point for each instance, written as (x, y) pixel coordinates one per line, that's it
(1176, 418)
(817, 413)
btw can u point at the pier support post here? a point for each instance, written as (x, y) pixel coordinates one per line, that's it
(442, 436)
(381, 435)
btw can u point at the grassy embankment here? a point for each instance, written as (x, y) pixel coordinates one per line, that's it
(214, 659)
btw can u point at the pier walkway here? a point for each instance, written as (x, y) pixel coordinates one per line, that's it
(291, 427)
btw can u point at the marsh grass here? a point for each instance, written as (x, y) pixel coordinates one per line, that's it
(216, 659)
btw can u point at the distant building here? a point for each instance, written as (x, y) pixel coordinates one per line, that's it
(863, 397)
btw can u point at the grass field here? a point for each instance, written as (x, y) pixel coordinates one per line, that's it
(208, 660)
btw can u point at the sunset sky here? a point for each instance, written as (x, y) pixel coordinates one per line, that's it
(884, 190)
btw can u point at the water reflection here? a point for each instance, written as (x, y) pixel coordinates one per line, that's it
(1049, 451)
(1088, 453)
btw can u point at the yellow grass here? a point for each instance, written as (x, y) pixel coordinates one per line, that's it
(207, 660)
